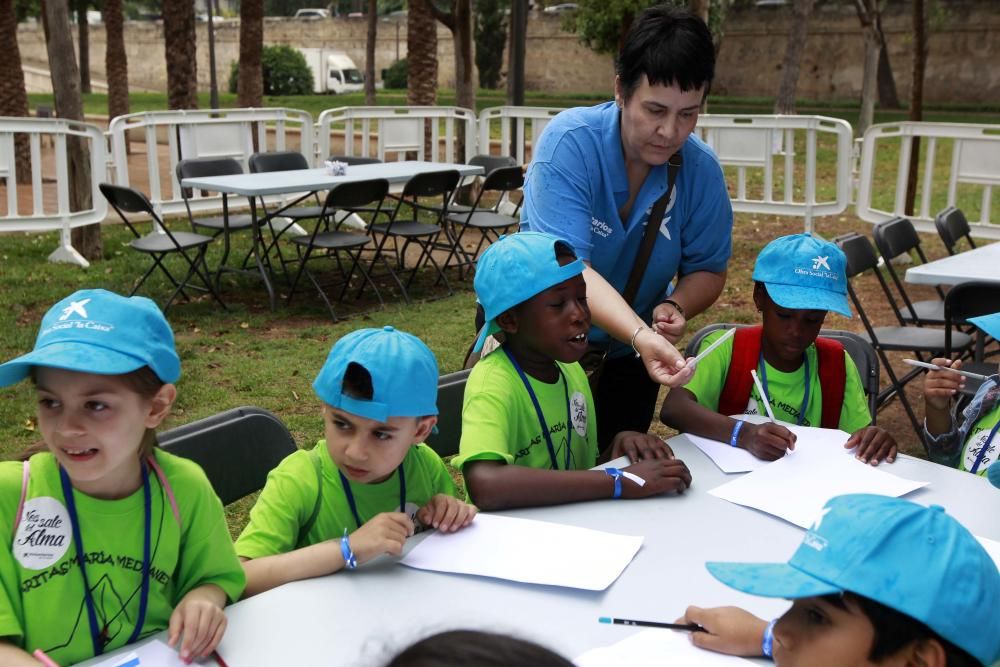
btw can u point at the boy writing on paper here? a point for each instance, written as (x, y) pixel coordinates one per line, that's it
(876, 581)
(529, 435)
(808, 381)
(359, 492)
(970, 445)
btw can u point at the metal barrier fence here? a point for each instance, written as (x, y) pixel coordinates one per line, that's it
(43, 204)
(517, 128)
(959, 164)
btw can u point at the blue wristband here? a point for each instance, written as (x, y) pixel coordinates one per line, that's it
(617, 474)
(350, 562)
(736, 433)
(767, 645)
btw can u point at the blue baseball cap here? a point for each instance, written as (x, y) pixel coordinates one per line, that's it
(988, 323)
(804, 272)
(515, 268)
(96, 331)
(403, 369)
(914, 559)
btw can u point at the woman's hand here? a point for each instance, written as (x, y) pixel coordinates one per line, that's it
(663, 362)
(669, 322)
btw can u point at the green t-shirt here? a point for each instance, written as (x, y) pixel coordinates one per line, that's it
(784, 389)
(499, 422)
(977, 440)
(41, 588)
(289, 498)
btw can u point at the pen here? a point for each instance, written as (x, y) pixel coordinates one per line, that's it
(689, 627)
(935, 367)
(41, 657)
(763, 396)
(722, 339)
(218, 659)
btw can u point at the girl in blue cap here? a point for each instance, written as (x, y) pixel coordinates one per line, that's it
(876, 581)
(113, 539)
(807, 380)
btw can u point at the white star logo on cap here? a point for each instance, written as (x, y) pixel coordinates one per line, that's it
(75, 307)
(819, 520)
(820, 262)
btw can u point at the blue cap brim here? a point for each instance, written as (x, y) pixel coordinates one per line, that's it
(804, 298)
(988, 323)
(772, 580)
(488, 330)
(74, 356)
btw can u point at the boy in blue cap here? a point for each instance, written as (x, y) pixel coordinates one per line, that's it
(876, 581)
(359, 492)
(972, 444)
(808, 380)
(529, 435)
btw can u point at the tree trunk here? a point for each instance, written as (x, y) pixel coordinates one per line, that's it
(421, 55)
(13, 98)
(69, 105)
(115, 60)
(251, 82)
(180, 44)
(699, 8)
(870, 27)
(888, 96)
(370, 52)
(459, 22)
(516, 52)
(83, 32)
(916, 97)
(785, 101)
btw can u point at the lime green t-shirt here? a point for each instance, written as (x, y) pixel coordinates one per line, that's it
(974, 444)
(499, 422)
(785, 390)
(41, 587)
(289, 498)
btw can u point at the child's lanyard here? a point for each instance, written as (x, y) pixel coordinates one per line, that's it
(805, 394)
(985, 448)
(541, 416)
(344, 482)
(100, 637)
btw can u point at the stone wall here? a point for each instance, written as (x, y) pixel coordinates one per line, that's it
(962, 66)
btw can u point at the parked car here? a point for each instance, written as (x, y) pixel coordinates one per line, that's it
(562, 7)
(312, 14)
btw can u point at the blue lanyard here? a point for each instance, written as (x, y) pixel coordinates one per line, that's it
(99, 637)
(985, 448)
(346, 483)
(805, 394)
(541, 416)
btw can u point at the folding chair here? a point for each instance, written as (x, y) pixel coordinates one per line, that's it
(286, 161)
(965, 300)
(411, 230)
(860, 350)
(952, 226)
(235, 448)
(161, 242)
(485, 219)
(896, 237)
(451, 394)
(920, 341)
(349, 197)
(489, 163)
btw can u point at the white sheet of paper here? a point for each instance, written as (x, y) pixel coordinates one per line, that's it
(654, 648)
(620, 463)
(992, 548)
(735, 459)
(560, 555)
(153, 653)
(797, 486)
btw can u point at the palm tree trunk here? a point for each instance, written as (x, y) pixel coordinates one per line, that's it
(785, 101)
(421, 55)
(13, 98)
(115, 60)
(251, 83)
(83, 32)
(180, 44)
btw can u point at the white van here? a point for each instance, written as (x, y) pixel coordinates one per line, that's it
(312, 14)
(333, 71)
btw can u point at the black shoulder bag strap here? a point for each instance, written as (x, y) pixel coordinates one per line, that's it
(652, 229)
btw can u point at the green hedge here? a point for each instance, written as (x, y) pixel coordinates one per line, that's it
(285, 72)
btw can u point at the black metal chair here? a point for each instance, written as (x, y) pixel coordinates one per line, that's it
(862, 353)
(235, 448)
(952, 226)
(920, 341)
(489, 163)
(487, 219)
(437, 184)
(451, 394)
(965, 300)
(326, 238)
(285, 161)
(160, 243)
(896, 237)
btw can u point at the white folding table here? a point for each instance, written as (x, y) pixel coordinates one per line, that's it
(982, 263)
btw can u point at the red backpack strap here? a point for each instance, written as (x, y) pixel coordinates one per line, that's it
(832, 379)
(746, 351)
(169, 490)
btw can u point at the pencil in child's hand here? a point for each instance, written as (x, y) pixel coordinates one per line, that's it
(935, 367)
(763, 396)
(688, 627)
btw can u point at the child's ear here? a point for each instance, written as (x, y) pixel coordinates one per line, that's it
(507, 321)
(159, 407)
(424, 427)
(759, 296)
(925, 653)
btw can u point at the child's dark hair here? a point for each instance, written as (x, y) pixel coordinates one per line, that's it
(894, 630)
(669, 45)
(358, 382)
(483, 649)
